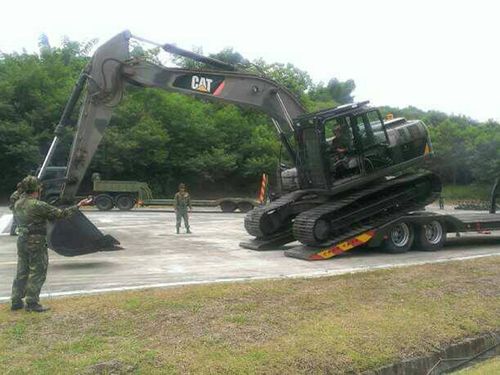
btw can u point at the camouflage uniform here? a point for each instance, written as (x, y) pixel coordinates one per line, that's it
(495, 191)
(32, 215)
(14, 197)
(181, 204)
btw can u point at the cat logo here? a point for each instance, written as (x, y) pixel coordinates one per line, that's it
(206, 84)
(202, 84)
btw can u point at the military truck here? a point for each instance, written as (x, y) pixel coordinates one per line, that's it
(120, 194)
(124, 195)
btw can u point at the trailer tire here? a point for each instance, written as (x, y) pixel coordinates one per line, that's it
(430, 236)
(125, 202)
(245, 206)
(228, 206)
(400, 238)
(103, 202)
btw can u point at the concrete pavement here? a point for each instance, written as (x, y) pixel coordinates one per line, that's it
(154, 256)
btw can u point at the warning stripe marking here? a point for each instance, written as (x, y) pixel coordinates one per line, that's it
(219, 89)
(344, 246)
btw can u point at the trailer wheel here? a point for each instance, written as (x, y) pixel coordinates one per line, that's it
(103, 202)
(245, 206)
(321, 230)
(228, 206)
(430, 236)
(125, 202)
(400, 238)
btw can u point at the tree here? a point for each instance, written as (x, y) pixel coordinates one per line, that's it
(335, 90)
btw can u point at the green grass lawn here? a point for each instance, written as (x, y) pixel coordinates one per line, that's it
(334, 324)
(489, 367)
(452, 193)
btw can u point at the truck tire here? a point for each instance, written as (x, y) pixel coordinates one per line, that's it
(245, 206)
(228, 206)
(125, 202)
(103, 202)
(399, 238)
(430, 236)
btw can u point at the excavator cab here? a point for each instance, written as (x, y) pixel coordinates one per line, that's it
(339, 143)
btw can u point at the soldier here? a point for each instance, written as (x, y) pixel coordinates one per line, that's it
(181, 204)
(12, 201)
(495, 191)
(32, 256)
(339, 142)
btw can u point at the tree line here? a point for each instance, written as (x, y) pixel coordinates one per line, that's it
(165, 138)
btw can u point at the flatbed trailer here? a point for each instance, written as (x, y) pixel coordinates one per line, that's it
(225, 204)
(422, 230)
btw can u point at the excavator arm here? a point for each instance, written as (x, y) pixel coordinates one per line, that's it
(112, 68)
(106, 77)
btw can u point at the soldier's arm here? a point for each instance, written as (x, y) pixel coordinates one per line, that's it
(12, 200)
(175, 200)
(49, 212)
(189, 201)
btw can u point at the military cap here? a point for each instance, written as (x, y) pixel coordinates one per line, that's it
(30, 184)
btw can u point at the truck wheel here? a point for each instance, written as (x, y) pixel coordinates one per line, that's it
(228, 206)
(400, 238)
(430, 236)
(103, 202)
(125, 202)
(245, 206)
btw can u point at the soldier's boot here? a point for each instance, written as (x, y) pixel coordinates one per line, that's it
(17, 305)
(188, 231)
(177, 231)
(36, 307)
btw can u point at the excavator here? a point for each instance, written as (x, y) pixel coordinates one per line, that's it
(350, 168)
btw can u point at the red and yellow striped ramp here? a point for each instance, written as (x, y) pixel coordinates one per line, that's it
(327, 252)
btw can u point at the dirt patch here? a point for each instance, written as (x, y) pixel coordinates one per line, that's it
(113, 367)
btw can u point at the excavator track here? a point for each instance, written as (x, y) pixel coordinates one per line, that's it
(259, 222)
(276, 218)
(362, 210)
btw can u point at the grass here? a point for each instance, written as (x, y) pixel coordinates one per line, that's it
(491, 366)
(466, 192)
(302, 326)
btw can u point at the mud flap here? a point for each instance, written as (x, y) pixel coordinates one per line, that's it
(77, 235)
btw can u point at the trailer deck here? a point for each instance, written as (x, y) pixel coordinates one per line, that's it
(377, 233)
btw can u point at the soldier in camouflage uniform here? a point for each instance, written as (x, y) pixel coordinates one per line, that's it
(12, 201)
(182, 202)
(32, 215)
(495, 191)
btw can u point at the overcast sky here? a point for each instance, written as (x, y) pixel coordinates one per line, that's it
(442, 55)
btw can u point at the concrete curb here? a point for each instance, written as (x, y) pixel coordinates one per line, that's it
(443, 360)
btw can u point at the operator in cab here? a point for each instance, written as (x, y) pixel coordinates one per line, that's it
(338, 144)
(338, 149)
(32, 255)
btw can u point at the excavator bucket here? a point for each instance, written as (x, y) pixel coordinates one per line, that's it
(76, 235)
